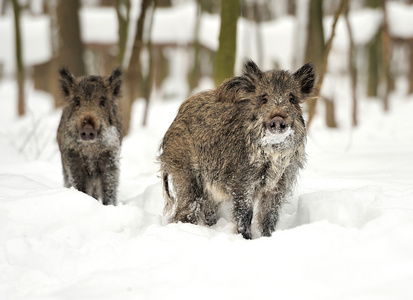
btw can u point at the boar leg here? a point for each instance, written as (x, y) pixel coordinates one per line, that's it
(270, 203)
(243, 213)
(269, 206)
(109, 170)
(190, 197)
(209, 210)
(76, 172)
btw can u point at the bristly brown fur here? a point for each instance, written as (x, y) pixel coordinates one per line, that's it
(91, 164)
(242, 142)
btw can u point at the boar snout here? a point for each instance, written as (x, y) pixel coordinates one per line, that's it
(87, 133)
(87, 130)
(277, 125)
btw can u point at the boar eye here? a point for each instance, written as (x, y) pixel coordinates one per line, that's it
(77, 101)
(292, 99)
(102, 101)
(264, 99)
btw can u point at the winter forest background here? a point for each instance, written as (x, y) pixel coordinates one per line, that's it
(345, 233)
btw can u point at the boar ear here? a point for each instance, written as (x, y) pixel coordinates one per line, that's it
(67, 81)
(251, 70)
(236, 89)
(115, 82)
(306, 78)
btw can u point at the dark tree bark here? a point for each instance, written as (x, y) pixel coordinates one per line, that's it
(315, 44)
(322, 72)
(225, 60)
(123, 23)
(374, 56)
(194, 74)
(386, 46)
(352, 68)
(19, 60)
(410, 45)
(133, 74)
(70, 45)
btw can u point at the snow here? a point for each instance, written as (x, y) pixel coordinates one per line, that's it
(345, 233)
(35, 30)
(278, 138)
(400, 17)
(99, 25)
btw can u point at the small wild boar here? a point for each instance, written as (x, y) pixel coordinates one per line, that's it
(90, 133)
(242, 142)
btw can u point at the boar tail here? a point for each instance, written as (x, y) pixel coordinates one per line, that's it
(169, 199)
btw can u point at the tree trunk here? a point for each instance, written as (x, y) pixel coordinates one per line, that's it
(410, 45)
(194, 74)
(352, 68)
(374, 56)
(315, 43)
(123, 24)
(330, 113)
(322, 72)
(70, 46)
(386, 50)
(148, 79)
(225, 59)
(133, 74)
(19, 60)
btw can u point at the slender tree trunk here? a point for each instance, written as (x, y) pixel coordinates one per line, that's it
(258, 32)
(70, 46)
(194, 74)
(315, 43)
(148, 79)
(19, 60)
(225, 60)
(352, 68)
(122, 11)
(410, 45)
(374, 56)
(133, 74)
(386, 46)
(342, 5)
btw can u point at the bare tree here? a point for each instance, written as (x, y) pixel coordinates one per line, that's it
(194, 74)
(134, 71)
(19, 60)
(70, 45)
(374, 56)
(225, 60)
(386, 46)
(315, 46)
(122, 11)
(352, 67)
(322, 72)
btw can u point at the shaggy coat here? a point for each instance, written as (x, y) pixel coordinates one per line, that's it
(242, 142)
(90, 134)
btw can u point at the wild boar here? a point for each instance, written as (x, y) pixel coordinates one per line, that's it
(90, 134)
(242, 142)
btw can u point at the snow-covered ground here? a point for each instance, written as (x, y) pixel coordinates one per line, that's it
(346, 233)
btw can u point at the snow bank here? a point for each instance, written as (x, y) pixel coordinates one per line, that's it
(99, 25)
(35, 31)
(345, 233)
(400, 16)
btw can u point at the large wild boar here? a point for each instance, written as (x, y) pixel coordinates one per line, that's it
(90, 134)
(242, 142)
